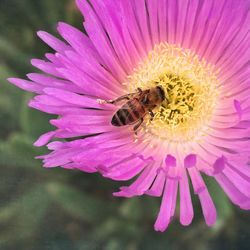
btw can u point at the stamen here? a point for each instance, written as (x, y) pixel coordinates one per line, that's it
(191, 88)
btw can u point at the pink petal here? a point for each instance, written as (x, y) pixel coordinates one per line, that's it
(170, 161)
(186, 207)
(219, 165)
(233, 193)
(158, 185)
(26, 85)
(46, 67)
(53, 42)
(208, 208)
(238, 108)
(167, 206)
(97, 34)
(197, 181)
(190, 161)
(44, 139)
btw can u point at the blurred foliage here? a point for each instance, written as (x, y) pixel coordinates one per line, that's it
(58, 209)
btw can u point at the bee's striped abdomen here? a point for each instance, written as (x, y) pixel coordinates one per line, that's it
(129, 113)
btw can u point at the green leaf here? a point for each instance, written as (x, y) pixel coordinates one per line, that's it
(33, 122)
(10, 99)
(114, 244)
(19, 151)
(24, 214)
(132, 209)
(222, 204)
(13, 56)
(79, 204)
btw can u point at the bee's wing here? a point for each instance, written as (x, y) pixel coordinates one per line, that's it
(128, 112)
(122, 99)
(131, 104)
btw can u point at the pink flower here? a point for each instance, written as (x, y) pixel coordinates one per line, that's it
(198, 52)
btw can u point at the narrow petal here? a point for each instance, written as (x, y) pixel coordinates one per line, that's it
(186, 207)
(208, 208)
(197, 181)
(26, 85)
(44, 139)
(167, 206)
(53, 42)
(158, 185)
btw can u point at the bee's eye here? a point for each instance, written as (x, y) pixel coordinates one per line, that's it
(145, 100)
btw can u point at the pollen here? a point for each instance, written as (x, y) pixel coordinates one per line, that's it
(191, 88)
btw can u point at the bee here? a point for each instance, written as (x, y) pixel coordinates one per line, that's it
(137, 106)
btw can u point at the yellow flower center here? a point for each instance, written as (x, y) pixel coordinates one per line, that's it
(191, 89)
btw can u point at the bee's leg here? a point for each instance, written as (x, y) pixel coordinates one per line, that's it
(151, 114)
(115, 101)
(119, 99)
(138, 125)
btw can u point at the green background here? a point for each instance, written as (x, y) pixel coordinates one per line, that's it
(58, 209)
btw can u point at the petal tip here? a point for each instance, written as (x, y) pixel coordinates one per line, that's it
(40, 32)
(219, 165)
(160, 226)
(11, 79)
(186, 220)
(170, 161)
(190, 161)
(60, 26)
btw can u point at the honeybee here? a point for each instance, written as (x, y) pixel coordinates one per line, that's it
(137, 106)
